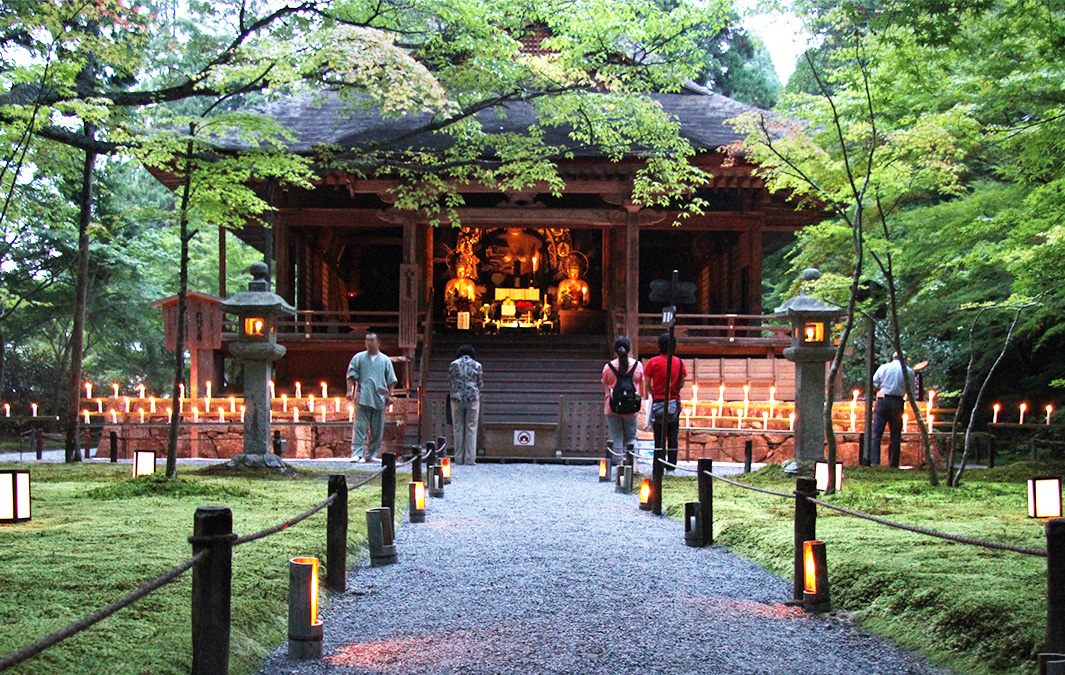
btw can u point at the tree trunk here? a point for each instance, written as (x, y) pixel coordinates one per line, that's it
(183, 289)
(81, 286)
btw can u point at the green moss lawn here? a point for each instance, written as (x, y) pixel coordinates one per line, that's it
(97, 534)
(974, 610)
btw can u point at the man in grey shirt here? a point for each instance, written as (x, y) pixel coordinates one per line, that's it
(891, 382)
(371, 379)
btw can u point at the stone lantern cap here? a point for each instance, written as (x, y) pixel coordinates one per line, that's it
(258, 299)
(807, 306)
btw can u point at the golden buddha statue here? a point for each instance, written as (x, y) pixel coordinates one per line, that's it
(573, 291)
(460, 292)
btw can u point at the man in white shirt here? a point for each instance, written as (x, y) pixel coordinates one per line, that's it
(371, 378)
(890, 380)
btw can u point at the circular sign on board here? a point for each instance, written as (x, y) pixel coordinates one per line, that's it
(522, 437)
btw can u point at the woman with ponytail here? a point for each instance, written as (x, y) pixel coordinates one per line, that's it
(621, 383)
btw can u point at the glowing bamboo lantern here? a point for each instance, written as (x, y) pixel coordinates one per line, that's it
(242, 409)
(1049, 409)
(645, 495)
(232, 404)
(140, 411)
(299, 393)
(114, 416)
(151, 404)
(284, 402)
(86, 414)
(310, 403)
(221, 414)
(140, 390)
(88, 390)
(325, 391)
(772, 399)
(33, 409)
(417, 501)
(996, 408)
(114, 387)
(99, 405)
(1024, 407)
(127, 403)
(815, 594)
(195, 414)
(604, 471)
(295, 413)
(272, 389)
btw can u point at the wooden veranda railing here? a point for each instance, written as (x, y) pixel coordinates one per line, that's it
(720, 330)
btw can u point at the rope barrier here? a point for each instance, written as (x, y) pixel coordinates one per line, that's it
(290, 522)
(957, 538)
(55, 638)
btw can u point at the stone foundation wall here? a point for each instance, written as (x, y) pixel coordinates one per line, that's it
(722, 446)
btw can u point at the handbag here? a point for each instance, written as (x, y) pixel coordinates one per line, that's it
(658, 409)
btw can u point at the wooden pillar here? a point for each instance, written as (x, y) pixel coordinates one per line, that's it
(408, 293)
(632, 279)
(222, 261)
(283, 259)
(754, 268)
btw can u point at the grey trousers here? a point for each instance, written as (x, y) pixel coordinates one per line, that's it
(622, 431)
(464, 416)
(372, 420)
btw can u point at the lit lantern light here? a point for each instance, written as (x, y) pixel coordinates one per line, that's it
(14, 496)
(604, 471)
(143, 463)
(151, 404)
(325, 391)
(242, 409)
(114, 387)
(195, 414)
(232, 404)
(114, 416)
(272, 389)
(1024, 407)
(99, 405)
(416, 491)
(140, 411)
(645, 495)
(1049, 410)
(772, 399)
(996, 408)
(336, 404)
(791, 422)
(88, 390)
(821, 475)
(813, 331)
(445, 466)
(208, 396)
(284, 402)
(86, 415)
(1044, 497)
(7, 410)
(33, 409)
(815, 596)
(299, 393)
(253, 327)
(304, 628)
(127, 403)
(221, 414)
(310, 403)
(140, 390)
(351, 413)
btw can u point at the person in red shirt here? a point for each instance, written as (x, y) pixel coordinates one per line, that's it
(666, 425)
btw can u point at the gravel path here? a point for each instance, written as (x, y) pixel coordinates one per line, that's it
(536, 569)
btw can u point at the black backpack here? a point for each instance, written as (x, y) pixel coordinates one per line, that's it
(624, 400)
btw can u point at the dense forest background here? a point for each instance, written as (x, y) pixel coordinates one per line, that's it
(950, 114)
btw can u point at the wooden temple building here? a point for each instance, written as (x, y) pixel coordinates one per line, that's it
(539, 284)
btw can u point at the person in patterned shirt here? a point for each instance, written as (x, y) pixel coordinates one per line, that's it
(465, 379)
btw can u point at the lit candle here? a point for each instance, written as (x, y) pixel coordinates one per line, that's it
(713, 418)
(284, 402)
(127, 403)
(905, 422)
(854, 397)
(720, 398)
(996, 408)
(169, 414)
(114, 386)
(310, 403)
(295, 413)
(114, 416)
(208, 396)
(221, 414)
(99, 405)
(298, 391)
(687, 417)
(772, 399)
(7, 410)
(695, 398)
(232, 404)
(207, 404)
(140, 389)
(181, 391)
(931, 423)
(351, 413)
(323, 413)
(272, 389)
(140, 411)
(151, 404)
(852, 421)
(739, 422)
(535, 261)
(86, 414)
(746, 401)
(931, 402)
(33, 408)
(325, 391)
(242, 414)
(791, 422)
(195, 414)
(1024, 406)
(336, 404)
(88, 390)
(765, 421)
(1050, 409)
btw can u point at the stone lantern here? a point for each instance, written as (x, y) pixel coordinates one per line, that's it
(257, 310)
(811, 348)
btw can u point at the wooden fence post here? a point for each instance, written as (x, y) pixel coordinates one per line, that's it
(706, 500)
(388, 481)
(657, 469)
(416, 466)
(336, 536)
(114, 447)
(212, 580)
(805, 526)
(39, 438)
(1055, 629)
(748, 455)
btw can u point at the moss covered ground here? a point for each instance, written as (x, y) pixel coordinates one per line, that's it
(973, 610)
(97, 534)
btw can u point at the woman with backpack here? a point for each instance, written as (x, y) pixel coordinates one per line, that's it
(621, 381)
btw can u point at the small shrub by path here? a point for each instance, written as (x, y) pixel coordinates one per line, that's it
(970, 609)
(97, 534)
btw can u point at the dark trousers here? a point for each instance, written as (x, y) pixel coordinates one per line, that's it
(887, 411)
(670, 430)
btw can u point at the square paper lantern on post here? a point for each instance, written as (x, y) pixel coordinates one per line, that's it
(143, 463)
(1044, 497)
(14, 496)
(821, 475)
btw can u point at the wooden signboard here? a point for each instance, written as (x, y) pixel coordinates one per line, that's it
(203, 321)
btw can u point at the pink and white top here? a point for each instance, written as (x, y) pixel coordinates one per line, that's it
(609, 380)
